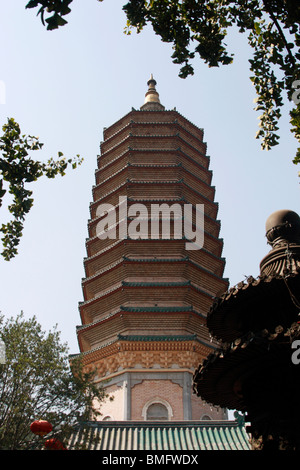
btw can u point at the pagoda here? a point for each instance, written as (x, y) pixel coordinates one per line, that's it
(148, 286)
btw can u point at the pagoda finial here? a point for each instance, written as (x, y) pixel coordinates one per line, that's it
(152, 100)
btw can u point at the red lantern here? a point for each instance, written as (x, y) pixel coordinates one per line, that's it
(54, 444)
(41, 427)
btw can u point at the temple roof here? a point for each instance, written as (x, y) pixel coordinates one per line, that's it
(170, 435)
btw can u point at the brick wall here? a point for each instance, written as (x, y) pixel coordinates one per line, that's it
(163, 390)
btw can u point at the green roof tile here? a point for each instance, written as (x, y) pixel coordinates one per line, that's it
(157, 337)
(171, 435)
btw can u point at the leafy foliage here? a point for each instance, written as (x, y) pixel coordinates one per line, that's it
(17, 169)
(37, 382)
(273, 31)
(59, 8)
(199, 28)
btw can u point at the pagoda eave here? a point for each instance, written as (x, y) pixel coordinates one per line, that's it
(235, 311)
(168, 247)
(187, 321)
(137, 313)
(228, 374)
(166, 351)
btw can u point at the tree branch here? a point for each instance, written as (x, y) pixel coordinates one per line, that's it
(279, 29)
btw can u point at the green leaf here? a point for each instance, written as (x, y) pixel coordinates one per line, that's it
(32, 4)
(257, 28)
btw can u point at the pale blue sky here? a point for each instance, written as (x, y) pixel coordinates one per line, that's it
(65, 86)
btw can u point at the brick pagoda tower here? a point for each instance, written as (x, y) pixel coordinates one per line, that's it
(146, 297)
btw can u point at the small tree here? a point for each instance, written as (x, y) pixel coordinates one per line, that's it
(37, 382)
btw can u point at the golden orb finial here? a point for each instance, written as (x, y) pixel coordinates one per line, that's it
(152, 100)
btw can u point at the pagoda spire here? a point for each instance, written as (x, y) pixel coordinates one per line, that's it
(152, 101)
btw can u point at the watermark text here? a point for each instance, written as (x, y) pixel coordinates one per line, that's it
(296, 354)
(296, 94)
(163, 220)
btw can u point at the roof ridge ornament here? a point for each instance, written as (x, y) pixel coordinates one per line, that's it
(152, 101)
